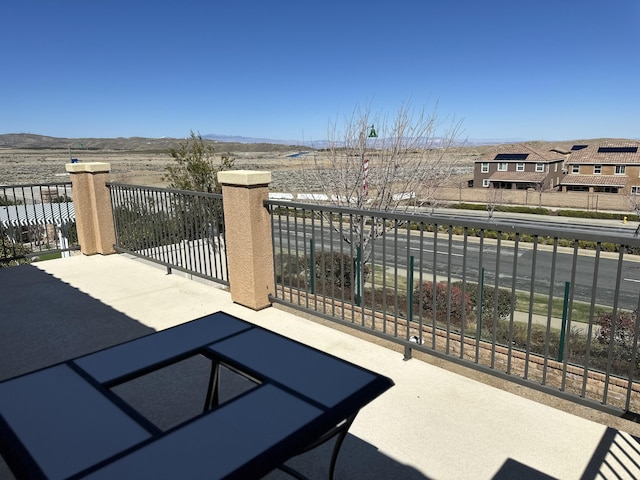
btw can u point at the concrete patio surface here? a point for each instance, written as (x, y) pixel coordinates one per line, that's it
(435, 423)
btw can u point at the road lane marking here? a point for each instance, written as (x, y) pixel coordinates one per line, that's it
(431, 251)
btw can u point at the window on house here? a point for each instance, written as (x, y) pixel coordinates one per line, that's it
(502, 167)
(635, 190)
(485, 183)
(485, 167)
(597, 169)
(575, 168)
(555, 167)
(620, 169)
(539, 167)
(519, 167)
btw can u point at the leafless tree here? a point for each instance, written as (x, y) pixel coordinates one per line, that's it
(634, 202)
(387, 164)
(494, 195)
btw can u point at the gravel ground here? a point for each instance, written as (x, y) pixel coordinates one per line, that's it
(22, 166)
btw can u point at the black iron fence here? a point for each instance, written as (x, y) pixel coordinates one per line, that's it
(551, 307)
(36, 221)
(179, 229)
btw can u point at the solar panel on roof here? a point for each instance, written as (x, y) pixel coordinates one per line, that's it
(618, 150)
(578, 147)
(511, 156)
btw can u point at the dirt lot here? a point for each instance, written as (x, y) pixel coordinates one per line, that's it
(32, 159)
(22, 166)
(32, 166)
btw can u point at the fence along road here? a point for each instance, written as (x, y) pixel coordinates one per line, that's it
(588, 372)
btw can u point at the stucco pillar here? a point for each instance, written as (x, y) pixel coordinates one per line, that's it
(92, 204)
(248, 236)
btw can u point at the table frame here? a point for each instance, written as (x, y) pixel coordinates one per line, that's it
(323, 410)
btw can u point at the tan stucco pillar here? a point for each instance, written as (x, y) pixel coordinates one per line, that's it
(92, 204)
(248, 236)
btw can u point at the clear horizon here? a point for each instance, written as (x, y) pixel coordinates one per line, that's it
(512, 71)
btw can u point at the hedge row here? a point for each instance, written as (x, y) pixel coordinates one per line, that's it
(502, 208)
(597, 215)
(546, 211)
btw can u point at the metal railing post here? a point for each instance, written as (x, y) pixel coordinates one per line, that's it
(312, 267)
(563, 329)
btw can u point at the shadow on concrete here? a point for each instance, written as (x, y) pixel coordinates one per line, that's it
(45, 321)
(512, 470)
(358, 460)
(617, 456)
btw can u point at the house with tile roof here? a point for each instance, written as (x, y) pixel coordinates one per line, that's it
(519, 167)
(613, 167)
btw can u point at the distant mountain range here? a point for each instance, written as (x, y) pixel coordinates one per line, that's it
(239, 139)
(229, 143)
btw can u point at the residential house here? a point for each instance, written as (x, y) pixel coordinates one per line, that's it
(519, 167)
(612, 167)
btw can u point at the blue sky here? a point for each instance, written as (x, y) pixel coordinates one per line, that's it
(282, 69)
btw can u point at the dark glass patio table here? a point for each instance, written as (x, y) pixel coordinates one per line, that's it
(65, 421)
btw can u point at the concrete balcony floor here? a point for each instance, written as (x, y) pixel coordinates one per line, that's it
(438, 422)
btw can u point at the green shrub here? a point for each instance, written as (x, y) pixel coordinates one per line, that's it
(591, 245)
(563, 242)
(502, 208)
(468, 206)
(527, 238)
(577, 343)
(330, 271)
(291, 270)
(623, 330)
(12, 252)
(522, 209)
(459, 306)
(489, 299)
(339, 270)
(596, 215)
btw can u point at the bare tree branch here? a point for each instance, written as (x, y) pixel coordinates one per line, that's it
(407, 163)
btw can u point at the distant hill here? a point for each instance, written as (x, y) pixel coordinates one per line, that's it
(227, 143)
(130, 144)
(240, 139)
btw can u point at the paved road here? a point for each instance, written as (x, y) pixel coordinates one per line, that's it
(523, 267)
(533, 270)
(606, 225)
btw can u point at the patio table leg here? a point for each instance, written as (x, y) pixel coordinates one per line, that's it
(340, 431)
(213, 392)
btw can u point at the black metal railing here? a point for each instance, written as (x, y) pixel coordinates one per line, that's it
(551, 307)
(36, 221)
(180, 229)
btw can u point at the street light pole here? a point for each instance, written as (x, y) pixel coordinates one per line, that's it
(365, 189)
(80, 145)
(365, 161)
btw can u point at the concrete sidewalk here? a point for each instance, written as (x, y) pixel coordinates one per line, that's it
(433, 423)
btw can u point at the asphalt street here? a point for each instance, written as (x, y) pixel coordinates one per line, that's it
(540, 269)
